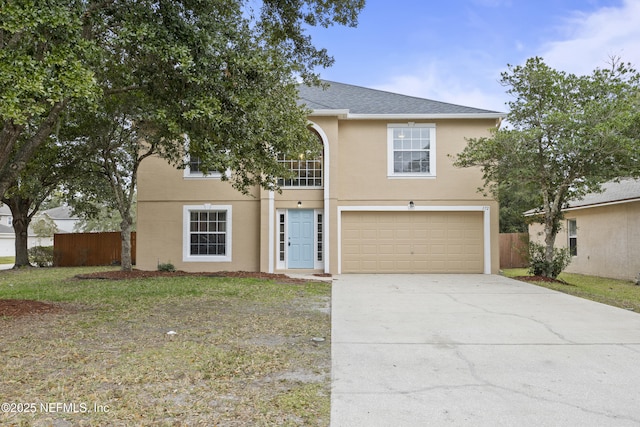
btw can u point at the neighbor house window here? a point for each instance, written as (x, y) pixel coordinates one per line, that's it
(207, 233)
(572, 232)
(411, 150)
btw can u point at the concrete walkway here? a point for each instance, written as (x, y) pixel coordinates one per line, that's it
(478, 350)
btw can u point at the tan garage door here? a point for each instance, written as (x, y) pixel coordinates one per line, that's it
(412, 242)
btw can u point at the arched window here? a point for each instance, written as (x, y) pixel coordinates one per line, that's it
(308, 172)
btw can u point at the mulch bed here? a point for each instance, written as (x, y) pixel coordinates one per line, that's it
(541, 279)
(140, 274)
(21, 307)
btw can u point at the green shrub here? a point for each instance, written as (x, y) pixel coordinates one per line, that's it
(166, 267)
(41, 256)
(538, 265)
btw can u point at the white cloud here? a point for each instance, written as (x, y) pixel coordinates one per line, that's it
(587, 41)
(458, 82)
(429, 85)
(591, 39)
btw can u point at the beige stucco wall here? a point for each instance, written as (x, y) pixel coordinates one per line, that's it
(356, 171)
(364, 181)
(363, 147)
(162, 193)
(608, 240)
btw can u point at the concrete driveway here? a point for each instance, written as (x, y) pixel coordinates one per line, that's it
(478, 350)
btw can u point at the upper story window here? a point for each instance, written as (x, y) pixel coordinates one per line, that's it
(194, 169)
(307, 171)
(411, 150)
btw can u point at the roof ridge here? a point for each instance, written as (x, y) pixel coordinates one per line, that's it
(407, 96)
(369, 102)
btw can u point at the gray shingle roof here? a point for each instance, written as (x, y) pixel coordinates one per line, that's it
(360, 100)
(61, 212)
(626, 189)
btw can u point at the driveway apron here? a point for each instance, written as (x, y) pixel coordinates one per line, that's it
(480, 350)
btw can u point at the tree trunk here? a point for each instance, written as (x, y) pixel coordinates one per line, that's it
(125, 235)
(21, 220)
(21, 227)
(549, 242)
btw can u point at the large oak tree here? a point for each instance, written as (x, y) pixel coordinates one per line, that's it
(566, 136)
(216, 79)
(220, 71)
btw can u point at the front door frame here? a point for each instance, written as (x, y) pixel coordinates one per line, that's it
(282, 239)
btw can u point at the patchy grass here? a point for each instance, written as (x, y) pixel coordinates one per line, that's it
(7, 260)
(619, 293)
(241, 353)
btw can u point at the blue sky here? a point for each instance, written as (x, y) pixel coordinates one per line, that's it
(455, 50)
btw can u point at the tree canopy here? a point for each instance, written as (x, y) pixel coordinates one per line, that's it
(222, 72)
(567, 134)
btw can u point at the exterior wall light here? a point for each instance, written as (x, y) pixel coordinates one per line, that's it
(299, 204)
(412, 205)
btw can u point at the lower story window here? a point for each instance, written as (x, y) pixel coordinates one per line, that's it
(281, 236)
(319, 237)
(207, 233)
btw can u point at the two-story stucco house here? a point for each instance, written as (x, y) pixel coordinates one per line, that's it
(383, 197)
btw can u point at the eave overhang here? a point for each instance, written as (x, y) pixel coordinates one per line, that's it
(344, 114)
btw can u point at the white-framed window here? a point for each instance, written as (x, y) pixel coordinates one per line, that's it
(308, 172)
(319, 237)
(411, 150)
(281, 236)
(193, 169)
(207, 233)
(572, 235)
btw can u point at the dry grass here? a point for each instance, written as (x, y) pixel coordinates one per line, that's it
(241, 354)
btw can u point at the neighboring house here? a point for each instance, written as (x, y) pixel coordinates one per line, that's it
(61, 217)
(602, 232)
(7, 235)
(384, 197)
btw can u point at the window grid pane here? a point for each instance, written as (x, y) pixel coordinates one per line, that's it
(208, 233)
(319, 231)
(281, 236)
(308, 172)
(573, 237)
(411, 150)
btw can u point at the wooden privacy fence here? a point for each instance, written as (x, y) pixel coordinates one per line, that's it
(84, 249)
(513, 249)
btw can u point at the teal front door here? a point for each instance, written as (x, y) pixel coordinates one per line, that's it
(300, 244)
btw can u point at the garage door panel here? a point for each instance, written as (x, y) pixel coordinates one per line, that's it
(412, 242)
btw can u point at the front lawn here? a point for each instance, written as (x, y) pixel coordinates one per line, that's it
(619, 293)
(164, 351)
